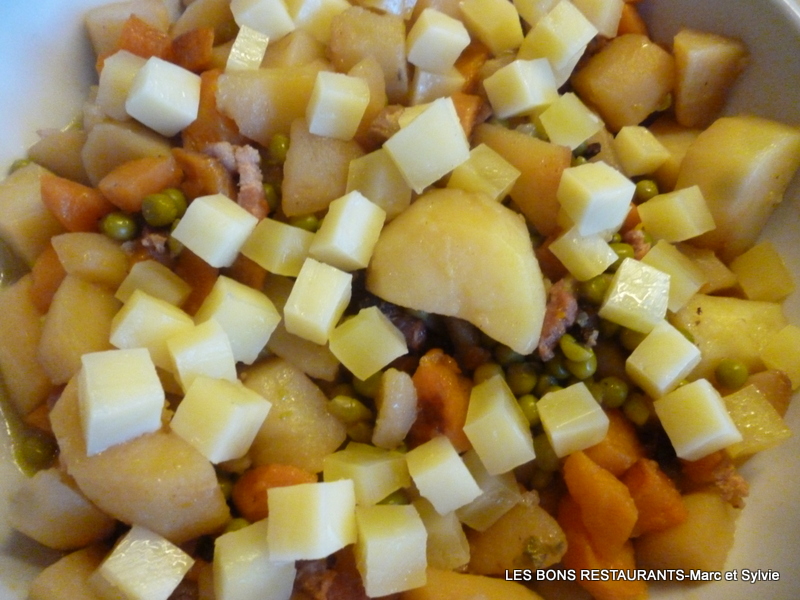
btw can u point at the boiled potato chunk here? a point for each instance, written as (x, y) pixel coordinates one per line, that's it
(449, 585)
(464, 255)
(68, 577)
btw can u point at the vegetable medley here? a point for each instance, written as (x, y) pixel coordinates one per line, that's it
(327, 300)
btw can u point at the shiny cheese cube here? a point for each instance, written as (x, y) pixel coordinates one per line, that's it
(116, 79)
(638, 151)
(427, 86)
(164, 96)
(762, 274)
(685, 277)
(521, 87)
(215, 228)
(219, 417)
(595, 196)
(486, 172)
(278, 247)
(569, 122)
(559, 36)
(780, 352)
(677, 216)
(435, 41)
(248, 50)
(155, 279)
(202, 350)
(336, 105)
(377, 177)
(637, 297)
(375, 472)
(572, 419)
(584, 256)
(603, 14)
(499, 494)
(696, 420)
(270, 17)
(315, 16)
(447, 546)
(120, 397)
(494, 22)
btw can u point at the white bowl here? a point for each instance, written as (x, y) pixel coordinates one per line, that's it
(45, 71)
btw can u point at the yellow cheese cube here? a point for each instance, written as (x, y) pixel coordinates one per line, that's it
(568, 121)
(270, 17)
(572, 419)
(447, 546)
(202, 350)
(247, 51)
(487, 172)
(499, 494)
(315, 16)
(494, 22)
(377, 177)
(375, 472)
(639, 152)
(595, 196)
(603, 14)
(757, 420)
(637, 297)
(155, 279)
(685, 277)
(116, 79)
(677, 216)
(781, 352)
(762, 274)
(435, 41)
(336, 105)
(427, 86)
(278, 247)
(559, 36)
(521, 87)
(583, 256)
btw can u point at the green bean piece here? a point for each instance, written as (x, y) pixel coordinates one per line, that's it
(527, 403)
(179, 199)
(614, 391)
(521, 378)
(645, 189)
(348, 410)
(486, 371)
(594, 290)
(119, 226)
(308, 222)
(546, 458)
(278, 148)
(582, 369)
(573, 350)
(731, 373)
(159, 210)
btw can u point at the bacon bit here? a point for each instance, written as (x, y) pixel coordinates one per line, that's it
(245, 161)
(637, 238)
(560, 315)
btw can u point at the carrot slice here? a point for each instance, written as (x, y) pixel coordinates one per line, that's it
(467, 108)
(247, 271)
(203, 175)
(47, 274)
(142, 39)
(128, 184)
(620, 449)
(469, 64)
(194, 50)
(199, 275)
(250, 493)
(658, 501)
(211, 125)
(76, 206)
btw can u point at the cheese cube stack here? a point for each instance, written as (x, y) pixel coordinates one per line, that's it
(447, 545)
(637, 297)
(336, 105)
(243, 567)
(677, 216)
(164, 96)
(220, 418)
(685, 277)
(375, 472)
(762, 274)
(494, 22)
(486, 172)
(584, 256)
(595, 196)
(315, 16)
(441, 476)
(561, 35)
(120, 397)
(278, 247)
(639, 151)
(427, 86)
(391, 547)
(215, 228)
(311, 520)
(499, 494)
(202, 350)
(270, 17)
(157, 280)
(521, 87)
(603, 14)
(572, 419)
(568, 121)
(435, 41)
(116, 79)
(248, 50)
(696, 420)
(377, 177)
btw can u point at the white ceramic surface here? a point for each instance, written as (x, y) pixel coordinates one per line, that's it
(46, 68)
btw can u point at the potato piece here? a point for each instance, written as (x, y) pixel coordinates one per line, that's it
(464, 255)
(299, 430)
(93, 257)
(60, 152)
(158, 480)
(68, 578)
(776, 388)
(449, 585)
(295, 49)
(717, 275)
(757, 420)
(677, 140)
(207, 13)
(105, 22)
(742, 184)
(605, 80)
(706, 66)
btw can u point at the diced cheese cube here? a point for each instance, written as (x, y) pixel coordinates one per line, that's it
(583, 256)
(270, 17)
(677, 216)
(278, 247)
(533, 10)
(164, 96)
(569, 122)
(757, 420)
(148, 322)
(637, 297)
(248, 50)
(441, 476)
(155, 279)
(243, 567)
(487, 172)
(348, 233)
(447, 545)
(311, 520)
(499, 494)
(603, 14)
(559, 36)
(315, 16)
(336, 105)
(427, 86)
(696, 421)
(390, 551)
(521, 87)
(780, 352)
(377, 177)
(202, 350)
(435, 41)
(639, 152)
(762, 274)
(120, 397)
(367, 342)
(144, 566)
(661, 360)
(497, 428)
(494, 22)
(220, 418)
(595, 196)
(116, 79)
(215, 228)
(572, 419)
(375, 472)
(317, 301)
(685, 277)
(247, 316)
(421, 161)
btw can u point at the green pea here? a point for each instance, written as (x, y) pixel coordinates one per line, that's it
(521, 378)
(546, 383)
(556, 367)
(360, 432)
(614, 391)
(645, 189)
(396, 498)
(578, 161)
(594, 290)
(486, 371)
(369, 387)
(236, 524)
(582, 369)
(278, 148)
(308, 222)
(630, 338)
(636, 409)
(505, 355)
(731, 373)
(174, 245)
(37, 450)
(159, 210)
(272, 196)
(119, 226)
(179, 198)
(348, 410)
(546, 458)
(573, 350)
(527, 403)
(608, 329)
(623, 251)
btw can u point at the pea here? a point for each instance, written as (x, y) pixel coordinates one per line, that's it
(546, 383)
(398, 497)
(278, 148)
(623, 251)
(527, 403)
(272, 196)
(594, 290)
(645, 189)
(159, 210)
(731, 373)
(573, 350)
(179, 198)
(505, 355)
(614, 391)
(360, 432)
(582, 369)
(37, 450)
(119, 226)
(368, 388)
(636, 409)
(546, 458)
(556, 367)
(308, 222)
(630, 339)
(348, 410)
(486, 371)
(578, 161)
(521, 378)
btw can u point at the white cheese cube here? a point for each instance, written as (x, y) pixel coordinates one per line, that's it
(270, 17)
(685, 277)
(583, 256)
(595, 196)
(662, 359)
(637, 297)
(441, 476)
(639, 152)
(278, 247)
(603, 14)
(248, 50)
(215, 228)
(247, 316)
(315, 16)
(336, 105)
(120, 397)
(317, 301)
(677, 216)
(164, 96)
(696, 420)
(348, 232)
(572, 419)
(243, 568)
(116, 79)
(311, 520)
(430, 146)
(220, 418)
(486, 172)
(367, 342)
(494, 22)
(499, 494)
(447, 546)
(377, 177)
(559, 36)
(497, 428)
(390, 551)
(155, 279)
(202, 350)
(533, 10)
(375, 472)
(435, 41)
(568, 121)
(427, 86)
(148, 322)
(521, 87)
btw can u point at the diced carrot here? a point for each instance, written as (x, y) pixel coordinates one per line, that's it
(142, 39)
(552, 268)
(704, 470)
(469, 64)
(467, 107)
(39, 418)
(247, 271)
(211, 125)
(128, 184)
(657, 500)
(442, 400)
(631, 21)
(607, 509)
(620, 449)
(632, 219)
(203, 175)
(198, 274)
(250, 493)
(76, 206)
(194, 49)
(47, 274)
